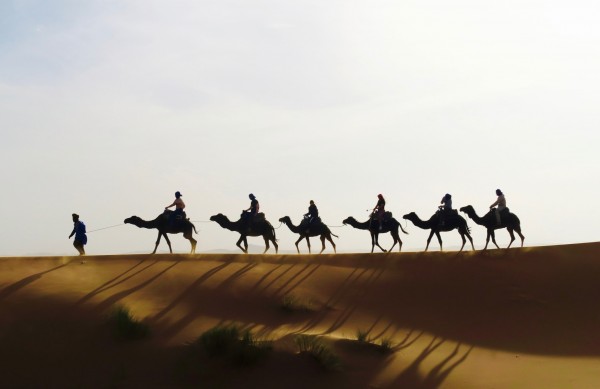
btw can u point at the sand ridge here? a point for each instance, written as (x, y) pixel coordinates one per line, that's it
(514, 318)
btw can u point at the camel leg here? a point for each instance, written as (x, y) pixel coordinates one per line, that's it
(429, 239)
(245, 250)
(308, 244)
(396, 240)
(462, 235)
(322, 244)
(275, 245)
(439, 237)
(298, 241)
(328, 237)
(188, 236)
(470, 240)
(493, 234)
(157, 242)
(512, 237)
(168, 242)
(372, 242)
(487, 239)
(518, 229)
(266, 244)
(377, 243)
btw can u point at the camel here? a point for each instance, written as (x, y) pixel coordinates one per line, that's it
(509, 221)
(391, 225)
(315, 229)
(451, 222)
(164, 227)
(256, 228)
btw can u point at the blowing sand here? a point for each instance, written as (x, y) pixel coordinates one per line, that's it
(519, 318)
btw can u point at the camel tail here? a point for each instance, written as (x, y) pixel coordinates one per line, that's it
(194, 227)
(334, 235)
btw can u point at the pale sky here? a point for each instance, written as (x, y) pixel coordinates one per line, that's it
(109, 107)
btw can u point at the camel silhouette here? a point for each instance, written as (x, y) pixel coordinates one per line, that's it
(164, 226)
(256, 228)
(509, 221)
(315, 229)
(390, 225)
(452, 221)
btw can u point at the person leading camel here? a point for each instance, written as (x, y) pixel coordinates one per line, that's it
(500, 203)
(379, 210)
(79, 232)
(179, 207)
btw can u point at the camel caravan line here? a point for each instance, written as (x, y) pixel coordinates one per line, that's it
(258, 225)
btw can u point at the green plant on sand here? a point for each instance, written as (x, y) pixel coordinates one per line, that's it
(232, 344)
(315, 347)
(126, 326)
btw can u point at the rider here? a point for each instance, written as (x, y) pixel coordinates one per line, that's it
(253, 210)
(312, 214)
(501, 203)
(446, 208)
(379, 210)
(179, 206)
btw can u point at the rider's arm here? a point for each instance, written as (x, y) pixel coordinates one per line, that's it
(495, 203)
(170, 205)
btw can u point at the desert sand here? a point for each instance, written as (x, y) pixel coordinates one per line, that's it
(518, 318)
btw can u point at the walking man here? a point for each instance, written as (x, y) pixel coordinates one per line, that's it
(80, 236)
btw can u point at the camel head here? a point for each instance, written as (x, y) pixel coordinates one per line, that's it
(285, 220)
(349, 220)
(410, 216)
(133, 220)
(219, 218)
(469, 210)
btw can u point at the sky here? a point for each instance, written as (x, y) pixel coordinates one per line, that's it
(109, 107)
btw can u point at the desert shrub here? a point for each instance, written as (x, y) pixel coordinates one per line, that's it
(126, 326)
(361, 335)
(291, 303)
(319, 351)
(386, 345)
(232, 344)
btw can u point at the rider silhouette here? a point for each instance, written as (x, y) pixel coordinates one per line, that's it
(379, 210)
(312, 214)
(501, 203)
(252, 211)
(179, 207)
(446, 208)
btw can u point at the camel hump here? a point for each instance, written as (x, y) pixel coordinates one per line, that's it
(260, 217)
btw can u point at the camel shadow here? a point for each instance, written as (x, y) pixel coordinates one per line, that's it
(279, 291)
(107, 285)
(237, 274)
(121, 295)
(190, 316)
(350, 282)
(410, 377)
(10, 289)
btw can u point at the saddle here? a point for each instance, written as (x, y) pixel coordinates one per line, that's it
(175, 219)
(258, 218)
(306, 220)
(387, 215)
(503, 213)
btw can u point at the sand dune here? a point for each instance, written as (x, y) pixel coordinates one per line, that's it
(522, 318)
